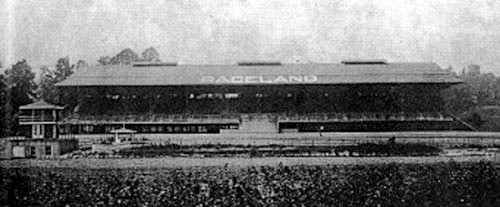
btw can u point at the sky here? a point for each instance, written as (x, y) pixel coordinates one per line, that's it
(450, 33)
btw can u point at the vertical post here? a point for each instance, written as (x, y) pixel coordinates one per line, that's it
(54, 127)
(54, 115)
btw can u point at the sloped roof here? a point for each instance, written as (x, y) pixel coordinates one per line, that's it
(310, 73)
(40, 105)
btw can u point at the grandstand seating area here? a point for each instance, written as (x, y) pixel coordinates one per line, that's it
(357, 117)
(152, 118)
(235, 118)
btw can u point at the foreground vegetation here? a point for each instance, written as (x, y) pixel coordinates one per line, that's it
(440, 184)
(213, 150)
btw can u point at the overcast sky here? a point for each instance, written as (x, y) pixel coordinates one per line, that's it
(455, 33)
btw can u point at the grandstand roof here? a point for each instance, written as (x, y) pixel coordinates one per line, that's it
(256, 74)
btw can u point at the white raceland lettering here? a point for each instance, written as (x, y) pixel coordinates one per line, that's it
(260, 79)
(251, 79)
(281, 79)
(222, 79)
(207, 79)
(295, 79)
(263, 80)
(237, 79)
(310, 78)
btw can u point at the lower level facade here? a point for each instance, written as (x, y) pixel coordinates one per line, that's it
(263, 123)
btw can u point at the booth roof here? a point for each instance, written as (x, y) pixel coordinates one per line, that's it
(40, 105)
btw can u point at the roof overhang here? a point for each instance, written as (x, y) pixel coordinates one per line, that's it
(282, 74)
(40, 105)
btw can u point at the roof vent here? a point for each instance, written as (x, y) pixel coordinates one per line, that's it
(153, 64)
(365, 62)
(258, 63)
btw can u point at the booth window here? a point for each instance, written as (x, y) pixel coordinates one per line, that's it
(48, 150)
(32, 151)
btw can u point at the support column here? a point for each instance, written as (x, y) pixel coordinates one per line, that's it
(54, 127)
(54, 131)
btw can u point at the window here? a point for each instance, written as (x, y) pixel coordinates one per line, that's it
(218, 95)
(201, 96)
(202, 129)
(88, 128)
(161, 128)
(108, 128)
(32, 151)
(37, 131)
(48, 150)
(177, 129)
(231, 95)
(229, 126)
(192, 129)
(169, 129)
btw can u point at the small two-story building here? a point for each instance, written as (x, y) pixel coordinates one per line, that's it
(40, 135)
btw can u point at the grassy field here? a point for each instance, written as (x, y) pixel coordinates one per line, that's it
(426, 182)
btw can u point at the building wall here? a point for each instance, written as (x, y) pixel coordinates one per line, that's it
(43, 148)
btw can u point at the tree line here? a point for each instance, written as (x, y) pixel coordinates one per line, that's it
(18, 86)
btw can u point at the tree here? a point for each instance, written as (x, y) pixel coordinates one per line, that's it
(5, 109)
(20, 80)
(48, 79)
(104, 60)
(150, 55)
(81, 64)
(63, 69)
(46, 89)
(125, 57)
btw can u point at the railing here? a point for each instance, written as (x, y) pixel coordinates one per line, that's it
(29, 118)
(351, 117)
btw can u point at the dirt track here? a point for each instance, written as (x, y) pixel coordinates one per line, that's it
(232, 162)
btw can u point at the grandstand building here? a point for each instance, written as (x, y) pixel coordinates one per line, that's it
(257, 97)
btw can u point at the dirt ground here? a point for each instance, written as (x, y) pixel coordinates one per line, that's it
(171, 162)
